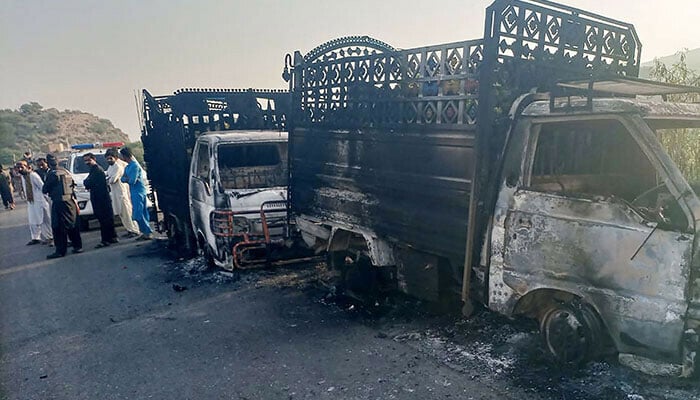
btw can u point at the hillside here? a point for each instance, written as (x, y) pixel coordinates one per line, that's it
(31, 127)
(692, 60)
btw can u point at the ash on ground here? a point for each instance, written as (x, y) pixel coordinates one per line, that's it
(499, 352)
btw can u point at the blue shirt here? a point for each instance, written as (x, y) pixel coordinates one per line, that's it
(134, 176)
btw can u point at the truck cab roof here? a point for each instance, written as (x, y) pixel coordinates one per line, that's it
(252, 136)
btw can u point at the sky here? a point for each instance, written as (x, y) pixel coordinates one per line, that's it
(93, 55)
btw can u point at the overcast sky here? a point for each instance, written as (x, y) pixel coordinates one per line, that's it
(93, 55)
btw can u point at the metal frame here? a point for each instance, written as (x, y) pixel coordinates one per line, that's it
(222, 226)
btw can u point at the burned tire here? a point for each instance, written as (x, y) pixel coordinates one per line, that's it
(180, 239)
(572, 331)
(359, 279)
(205, 250)
(209, 257)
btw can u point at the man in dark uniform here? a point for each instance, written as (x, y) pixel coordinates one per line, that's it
(96, 183)
(64, 212)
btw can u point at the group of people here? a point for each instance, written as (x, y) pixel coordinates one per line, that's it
(120, 190)
(11, 181)
(52, 208)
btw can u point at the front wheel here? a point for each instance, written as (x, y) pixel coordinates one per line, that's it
(572, 332)
(209, 256)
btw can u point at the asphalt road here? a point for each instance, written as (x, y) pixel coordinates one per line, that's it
(108, 324)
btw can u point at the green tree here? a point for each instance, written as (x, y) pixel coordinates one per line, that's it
(6, 156)
(30, 108)
(7, 134)
(683, 145)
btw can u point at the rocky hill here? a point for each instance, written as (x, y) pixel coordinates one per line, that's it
(31, 127)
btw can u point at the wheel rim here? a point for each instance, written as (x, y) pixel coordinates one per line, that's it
(566, 335)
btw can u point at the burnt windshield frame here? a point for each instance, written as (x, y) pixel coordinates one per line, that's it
(249, 155)
(584, 158)
(256, 165)
(645, 137)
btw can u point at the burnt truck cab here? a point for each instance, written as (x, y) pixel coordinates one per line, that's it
(594, 230)
(237, 179)
(227, 126)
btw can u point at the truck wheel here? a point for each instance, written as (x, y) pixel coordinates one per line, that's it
(572, 332)
(204, 250)
(171, 229)
(209, 257)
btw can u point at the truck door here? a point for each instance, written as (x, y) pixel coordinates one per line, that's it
(201, 195)
(591, 216)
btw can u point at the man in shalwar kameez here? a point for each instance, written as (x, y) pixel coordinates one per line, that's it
(38, 207)
(136, 178)
(119, 192)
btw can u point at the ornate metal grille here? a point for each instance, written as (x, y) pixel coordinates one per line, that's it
(358, 81)
(574, 38)
(362, 82)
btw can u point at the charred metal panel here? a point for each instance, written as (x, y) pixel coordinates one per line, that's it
(410, 187)
(633, 273)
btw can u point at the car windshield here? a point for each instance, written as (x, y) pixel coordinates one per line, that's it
(683, 146)
(252, 166)
(79, 166)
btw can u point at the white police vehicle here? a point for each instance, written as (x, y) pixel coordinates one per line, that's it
(76, 166)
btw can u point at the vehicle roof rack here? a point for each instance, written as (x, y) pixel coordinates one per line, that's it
(615, 86)
(628, 86)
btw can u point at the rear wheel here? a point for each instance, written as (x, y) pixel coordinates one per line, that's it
(572, 332)
(180, 239)
(359, 279)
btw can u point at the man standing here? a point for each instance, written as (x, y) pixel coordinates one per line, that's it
(6, 190)
(17, 182)
(96, 183)
(133, 175)
(64, 212)
(119, 192)
(37, 205)
(42, 168)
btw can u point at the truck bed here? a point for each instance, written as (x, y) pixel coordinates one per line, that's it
(408, 185)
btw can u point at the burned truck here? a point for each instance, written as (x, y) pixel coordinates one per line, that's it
(217, 161)
(522, 170)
